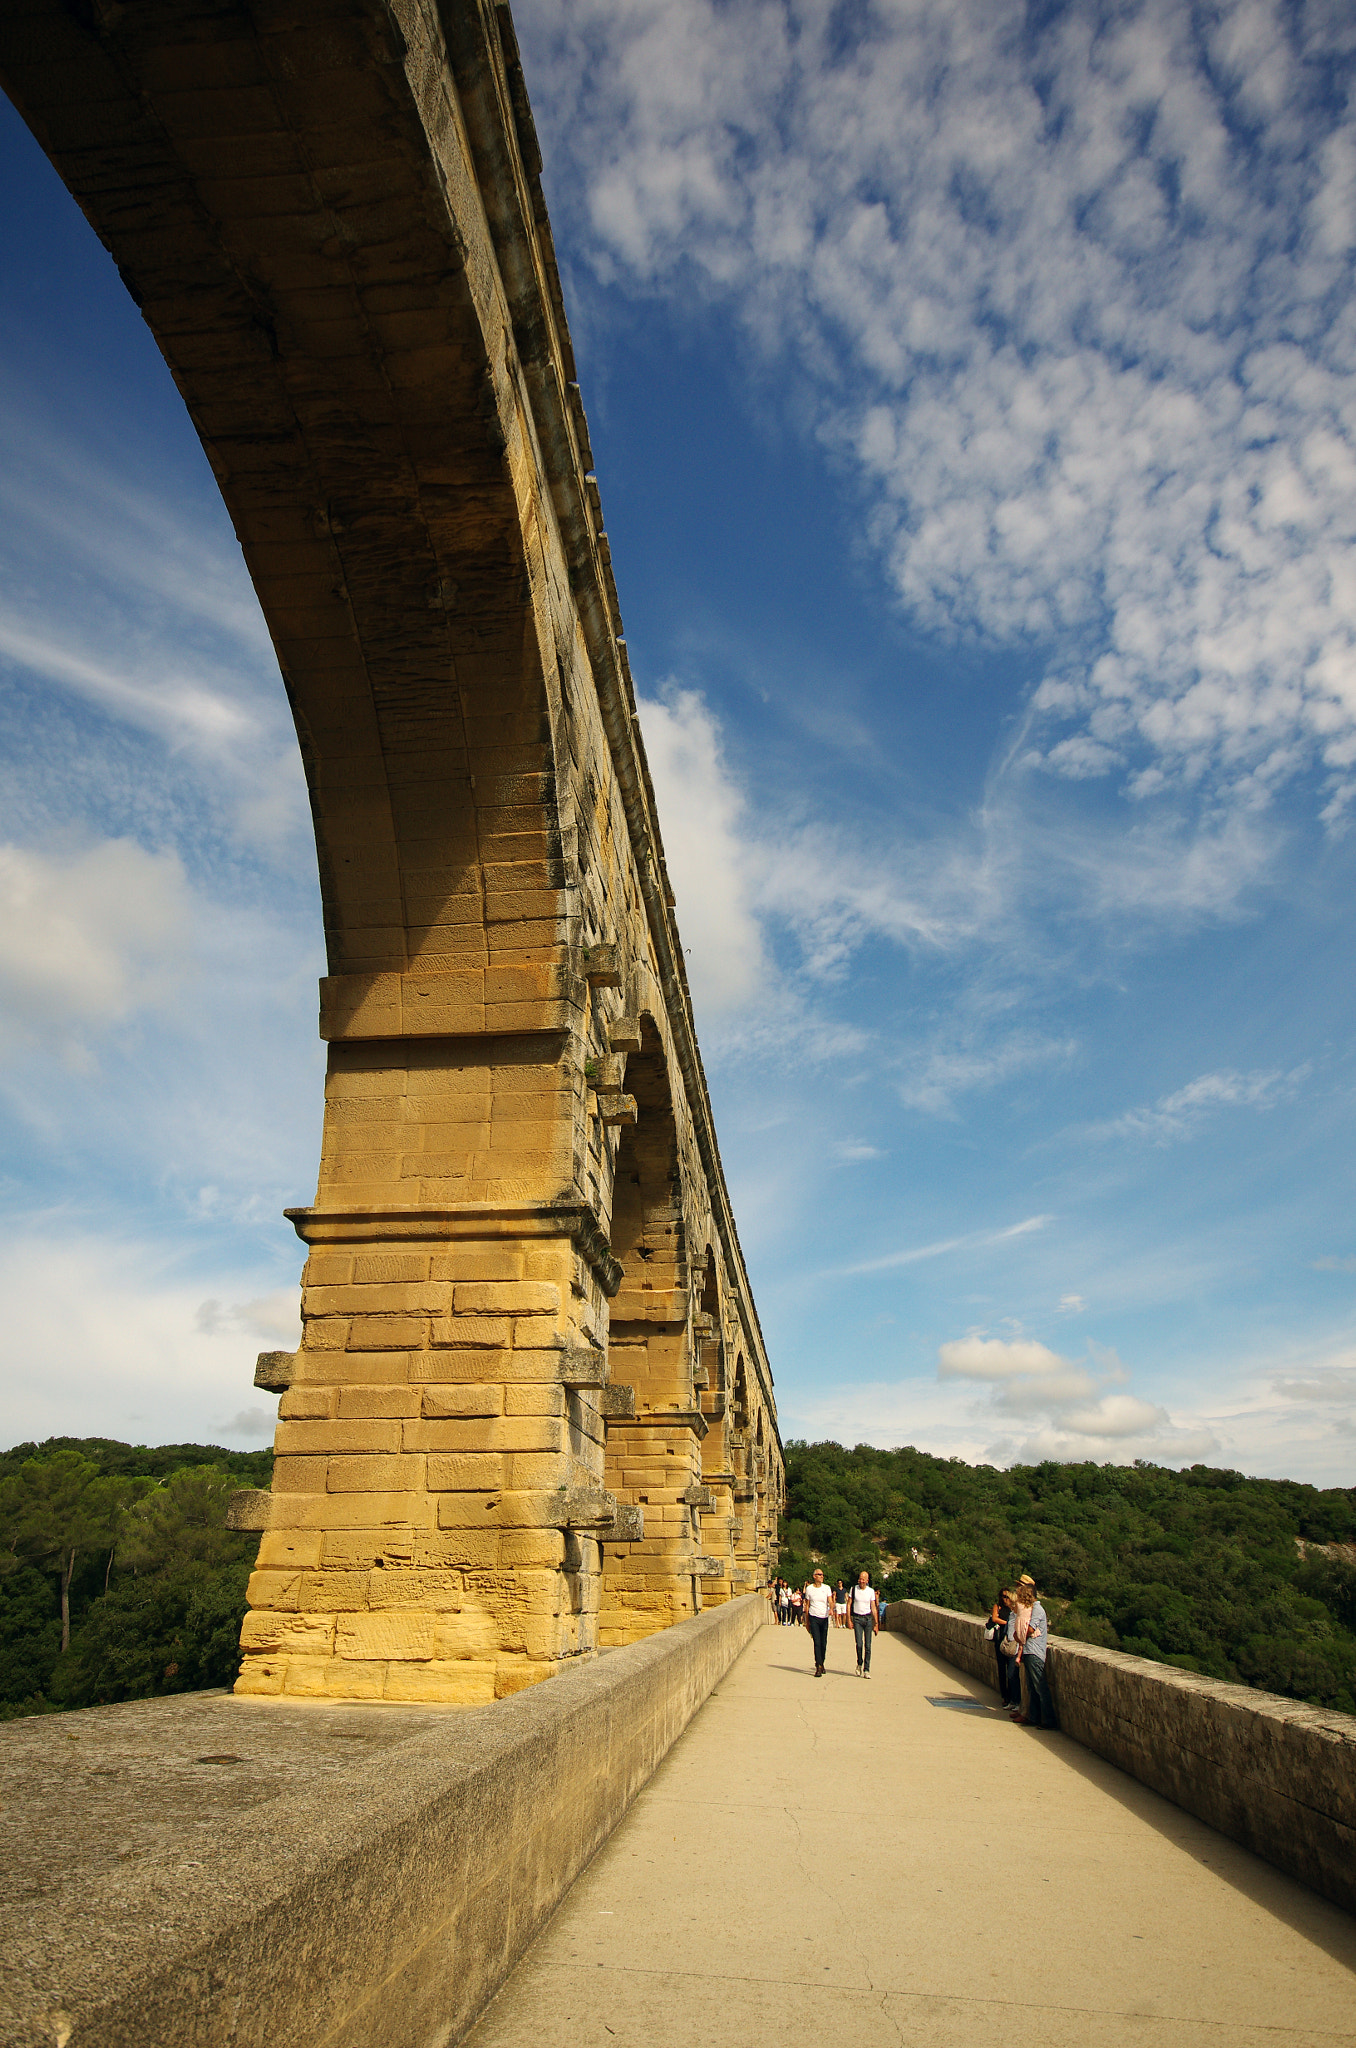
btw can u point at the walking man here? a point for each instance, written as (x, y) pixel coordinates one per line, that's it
(1029, 1624)
(817, 1610)
(865, 1621)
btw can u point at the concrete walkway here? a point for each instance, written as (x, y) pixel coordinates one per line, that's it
(837, 1863)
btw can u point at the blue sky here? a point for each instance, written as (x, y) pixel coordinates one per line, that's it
(971, 392)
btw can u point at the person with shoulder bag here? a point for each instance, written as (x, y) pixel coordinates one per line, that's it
(1005, 1655)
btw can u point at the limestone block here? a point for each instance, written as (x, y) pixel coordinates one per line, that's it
(393, 1634)
(456, 1332)
(349, 1681)
(623, 1034)
(373, 1474)
(333, 1592)
(275, 1589)
(583, 1366)
(390, 1268)
(387, 1333)
(308, 1402)
(355, 1402)
(260, 1679)
(435, 1591)
(513, 1674)
(524, 1470)
(617, 1402)
(471, 1633)
(365, 1434)
(274, 1370)
(293, 1635)
(459, 1682)
(472, 1366)
(434, 1549)
(298, 1549)
(307, 1677)
(515, 1298)
(616, 1108)
(478, 1262)
(529, 1399)
(473, 1398)
(355, 1511)
(249, 1507)
(351, 1550)
(627, 1525)
(527, 1548)
(356, 1367)
(539, 1433)
(465, 1472)
(602, 966)
(698, 1497)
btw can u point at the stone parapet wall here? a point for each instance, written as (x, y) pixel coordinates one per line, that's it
(1271, 1773)
(206, 1870)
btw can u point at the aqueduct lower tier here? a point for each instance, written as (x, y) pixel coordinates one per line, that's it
(531, 1413)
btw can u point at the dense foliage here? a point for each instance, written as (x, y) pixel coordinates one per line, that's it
(119, 1579)
(1246, 1579)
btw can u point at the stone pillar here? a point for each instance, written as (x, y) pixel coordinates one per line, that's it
(433, 1529)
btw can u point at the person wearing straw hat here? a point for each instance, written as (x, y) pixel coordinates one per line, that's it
(1030, 1627)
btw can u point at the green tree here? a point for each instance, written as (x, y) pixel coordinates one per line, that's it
(54, 1509)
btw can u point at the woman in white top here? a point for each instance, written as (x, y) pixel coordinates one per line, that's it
(865, 1621)
(818, 1612)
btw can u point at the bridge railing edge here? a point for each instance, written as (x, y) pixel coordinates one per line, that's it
(1276, 1775)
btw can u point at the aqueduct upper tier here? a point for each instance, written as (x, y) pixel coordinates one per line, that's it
(532, 1411)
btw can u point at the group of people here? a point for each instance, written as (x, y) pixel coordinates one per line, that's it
(1020, 1633)
(820, 1605)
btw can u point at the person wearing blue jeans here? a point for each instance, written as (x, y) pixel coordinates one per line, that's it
(865, 1621)
(1029, 1625)
(818, 1611)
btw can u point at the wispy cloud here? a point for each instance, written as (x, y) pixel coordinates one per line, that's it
(972, 1241)
(1176, 1117)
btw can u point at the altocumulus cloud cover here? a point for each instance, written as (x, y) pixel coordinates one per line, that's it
(971, 390)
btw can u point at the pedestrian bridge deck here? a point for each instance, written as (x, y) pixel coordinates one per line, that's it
(847, 1863)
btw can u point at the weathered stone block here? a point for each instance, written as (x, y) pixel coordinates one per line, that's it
(374, 1475)
(469, 1400)
(389, 1635)
(274, 1370)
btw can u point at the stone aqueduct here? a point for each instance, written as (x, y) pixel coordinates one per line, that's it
(532, 1412)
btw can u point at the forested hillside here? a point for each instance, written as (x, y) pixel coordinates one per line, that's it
(1247, 1579)
(118, 1576)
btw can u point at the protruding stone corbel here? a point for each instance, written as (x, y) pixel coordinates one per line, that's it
(623, 1034)
(709, 1567)
(703, 1326)
(249, 1508)
(698, 1497)
(628, 1525)
(602, 968)
(275, 1371)
(584, 1507)
(582, 1365)
(617, 1403)
(617, 1109)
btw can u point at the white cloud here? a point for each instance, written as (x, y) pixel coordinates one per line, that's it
(86, 939)
(1074, 300)
(1065, 1405)
(853, 1150)
(275, 1318)
(708, 859)
(102, 1338)
(1183, 1113)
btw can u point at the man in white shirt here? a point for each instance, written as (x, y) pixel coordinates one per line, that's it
(865, 1621)
(818, 1611)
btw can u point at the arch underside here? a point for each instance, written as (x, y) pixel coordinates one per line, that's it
(308, 207)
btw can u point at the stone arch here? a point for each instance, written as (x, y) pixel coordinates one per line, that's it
(333, 225)
(654, 1452)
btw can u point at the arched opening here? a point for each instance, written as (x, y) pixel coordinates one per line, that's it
(653, 1456)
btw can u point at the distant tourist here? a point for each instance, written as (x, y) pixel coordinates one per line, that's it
(840, 1604)
(1004, 1649)
(783, 1602)
(818, 1614)
(1030, 1628)
(797, 1603)
(865, 1621)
